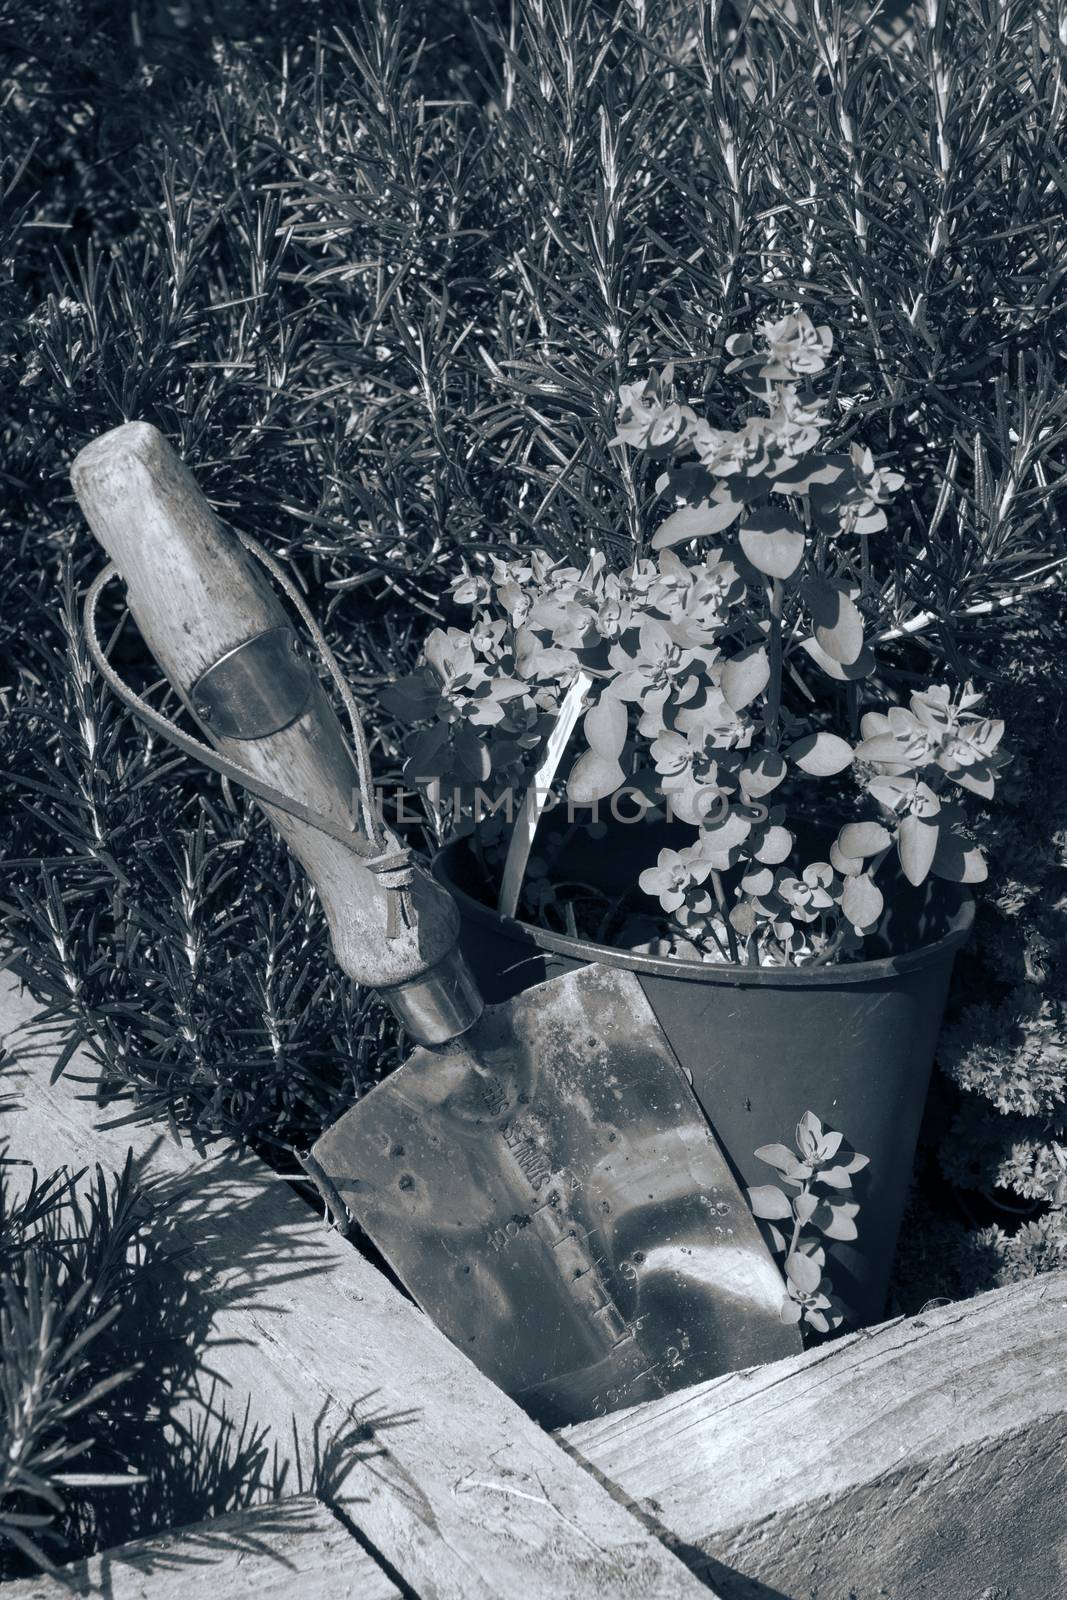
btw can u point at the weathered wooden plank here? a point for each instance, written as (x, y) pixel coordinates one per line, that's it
(452, 1484)
(294, 1547)
(926, 1457)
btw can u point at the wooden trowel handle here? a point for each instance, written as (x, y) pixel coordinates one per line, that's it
(222, 637)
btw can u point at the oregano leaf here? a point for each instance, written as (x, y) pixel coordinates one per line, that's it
(699, 521)
(776, 1155)
(821, 754)
(762, 773)
(836, 1219)
(605, 726)
(837, 620)
(745, 676)
(773, 541)
(803, 1271)
(861, 902)
(774, 847)
(841, 672)
(770, 1203)
(916, 846)
(593, 777)
(864, 839)
(958, 860)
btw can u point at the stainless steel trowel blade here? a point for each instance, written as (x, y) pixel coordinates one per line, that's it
(548, 1190)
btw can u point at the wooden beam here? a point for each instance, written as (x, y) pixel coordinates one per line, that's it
(923, 1458)
(294, 1547)
(452, 1484)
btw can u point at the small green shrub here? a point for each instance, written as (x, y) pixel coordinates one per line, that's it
(65, 1270)
(110, 1424)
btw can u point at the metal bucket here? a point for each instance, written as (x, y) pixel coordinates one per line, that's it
(762, 1045)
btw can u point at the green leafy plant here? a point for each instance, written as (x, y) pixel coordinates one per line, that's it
(823, 1208)
(723, 689)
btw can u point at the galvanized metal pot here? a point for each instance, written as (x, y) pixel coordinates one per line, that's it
(853, 1043)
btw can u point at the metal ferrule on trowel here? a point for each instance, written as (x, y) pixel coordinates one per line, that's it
(537, 1173)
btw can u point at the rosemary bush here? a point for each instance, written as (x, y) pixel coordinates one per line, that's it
(110, 1426)
(66, 1269)
(382, 287)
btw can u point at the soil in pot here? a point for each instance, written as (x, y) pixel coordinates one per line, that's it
(854, 1043)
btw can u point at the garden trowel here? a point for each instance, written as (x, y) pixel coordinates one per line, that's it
(538, 1173)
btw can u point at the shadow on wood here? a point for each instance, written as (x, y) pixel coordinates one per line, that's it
(294, 1548)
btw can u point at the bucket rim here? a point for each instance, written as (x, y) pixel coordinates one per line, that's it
(586, 950)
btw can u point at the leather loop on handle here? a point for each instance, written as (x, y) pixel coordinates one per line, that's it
(196, 596)
(189, 745)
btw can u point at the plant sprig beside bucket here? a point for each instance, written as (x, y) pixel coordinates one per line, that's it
(820, 1170)
(730, 690)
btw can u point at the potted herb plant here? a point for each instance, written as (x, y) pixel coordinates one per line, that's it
(755, 818)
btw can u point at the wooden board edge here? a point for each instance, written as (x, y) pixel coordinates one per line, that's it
(870, 1466)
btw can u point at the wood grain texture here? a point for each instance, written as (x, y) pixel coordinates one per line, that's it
(294, 1549)
(461, 1494)
(922, 1458)
(195, 594)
